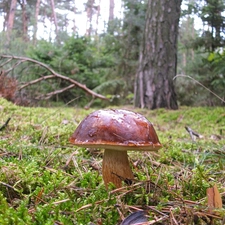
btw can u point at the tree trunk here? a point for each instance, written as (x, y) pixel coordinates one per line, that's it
(154, 87)
(54, 17)
(97, 17)
(111, 9)
(37, 9)
(25, 22)
(90, 14)
(11, 18)
(5, 15)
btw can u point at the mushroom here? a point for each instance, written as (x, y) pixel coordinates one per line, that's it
(116, 131)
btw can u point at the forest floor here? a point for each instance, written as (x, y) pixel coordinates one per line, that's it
(46, 180)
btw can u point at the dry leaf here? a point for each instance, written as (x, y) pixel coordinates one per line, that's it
(214, 199)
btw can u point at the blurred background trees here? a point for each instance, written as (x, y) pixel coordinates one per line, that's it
(98, 43)
(201, 51)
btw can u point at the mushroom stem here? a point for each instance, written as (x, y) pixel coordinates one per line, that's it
(115, 167)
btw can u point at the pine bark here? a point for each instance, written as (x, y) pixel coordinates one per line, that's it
(25, 20)
(90, 14)
(37, 9)
(54, 17)
(111, 9)
(11, 17)
(154, 85)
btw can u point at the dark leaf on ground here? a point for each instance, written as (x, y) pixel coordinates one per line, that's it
(135, 218)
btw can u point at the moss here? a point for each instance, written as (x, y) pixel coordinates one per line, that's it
(45, 180)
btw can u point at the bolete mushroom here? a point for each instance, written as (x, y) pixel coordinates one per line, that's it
(116, 131)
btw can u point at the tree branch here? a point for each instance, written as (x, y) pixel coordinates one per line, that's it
(49, 95)
(36, 81)
(6, 62)
(54, 74)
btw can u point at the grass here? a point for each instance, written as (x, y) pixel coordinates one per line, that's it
(46, 180)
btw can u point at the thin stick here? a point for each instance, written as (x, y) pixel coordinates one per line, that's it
(182, 75)
(5, 124)
(36, 81)
(9, 186)
(88, 205)
(50, 94)
(172, 217)
(61, 201)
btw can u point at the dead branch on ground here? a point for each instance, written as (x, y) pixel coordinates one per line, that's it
(54, 74)
(50, 94)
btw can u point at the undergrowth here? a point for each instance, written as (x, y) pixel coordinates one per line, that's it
(46, 180)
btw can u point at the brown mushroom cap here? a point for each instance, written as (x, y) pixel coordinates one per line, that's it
(116, 129)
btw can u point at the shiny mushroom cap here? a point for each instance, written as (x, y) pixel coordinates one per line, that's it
(116, 129)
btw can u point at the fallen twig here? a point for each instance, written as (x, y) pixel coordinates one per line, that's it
(50, 94)
(89, 205)
(5, 124)
(192, 133)
(9, 186)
